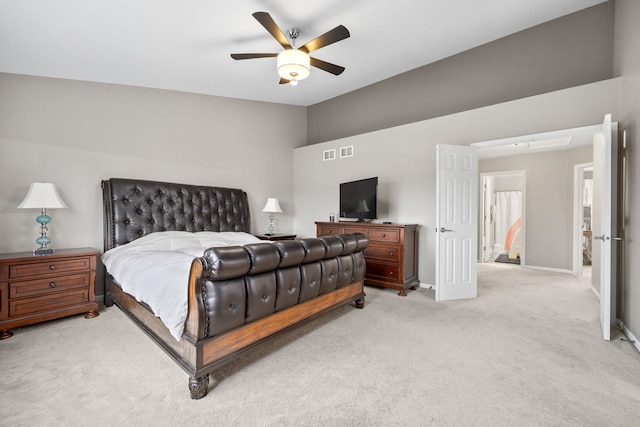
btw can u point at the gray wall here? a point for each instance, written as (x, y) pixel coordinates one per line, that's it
(403, 157)
(559, 54)
(75, 134)
(627, 65)
(548, 225)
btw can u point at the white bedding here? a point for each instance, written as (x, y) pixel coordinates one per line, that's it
(155, 269)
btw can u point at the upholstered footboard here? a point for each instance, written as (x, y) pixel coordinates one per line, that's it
(245, 295)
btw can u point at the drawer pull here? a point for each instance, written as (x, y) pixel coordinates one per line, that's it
(52, 267)
(391, 254)
(383, 235)
(391, 273)
(52, 284)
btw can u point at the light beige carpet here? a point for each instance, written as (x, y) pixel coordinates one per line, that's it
(528, 351)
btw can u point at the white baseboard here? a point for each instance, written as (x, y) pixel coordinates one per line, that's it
(553, 270)
(427, 286)
(631, 337)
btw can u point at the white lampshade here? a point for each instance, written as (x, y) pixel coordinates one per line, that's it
(293, 64)
(42, 195)
(272, 206)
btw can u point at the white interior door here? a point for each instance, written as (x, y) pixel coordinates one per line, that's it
(456, 222)
(605, 191)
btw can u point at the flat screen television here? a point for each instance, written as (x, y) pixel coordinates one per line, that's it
(359, 199)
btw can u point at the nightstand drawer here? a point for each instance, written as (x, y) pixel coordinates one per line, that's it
(49, 267)
(26, 306)
(390, 253)
(385, 235)
(47, 285)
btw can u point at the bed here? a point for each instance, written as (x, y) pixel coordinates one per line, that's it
(233, 290)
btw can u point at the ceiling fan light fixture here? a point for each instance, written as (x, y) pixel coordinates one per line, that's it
(293, 65)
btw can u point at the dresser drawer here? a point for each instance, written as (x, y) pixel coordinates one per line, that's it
(47, 285)
(382, 270)
(51, 267)
(389, 253)
(384, 235)
(26, 306)
(329, 230)
(354, 229)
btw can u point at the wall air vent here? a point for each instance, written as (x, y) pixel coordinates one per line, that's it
(329, 154)
(346, 151)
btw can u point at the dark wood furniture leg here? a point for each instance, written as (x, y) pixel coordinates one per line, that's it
(5, 334)
(199, 387)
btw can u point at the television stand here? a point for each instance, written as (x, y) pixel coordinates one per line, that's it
(391, 256)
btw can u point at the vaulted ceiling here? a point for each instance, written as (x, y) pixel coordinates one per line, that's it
(186, 46)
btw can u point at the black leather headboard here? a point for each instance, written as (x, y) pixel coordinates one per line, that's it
(134, 208)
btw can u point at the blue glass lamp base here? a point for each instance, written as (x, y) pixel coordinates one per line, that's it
(43, 240)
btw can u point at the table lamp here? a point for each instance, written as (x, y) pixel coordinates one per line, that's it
(272, 207)
(42, 195)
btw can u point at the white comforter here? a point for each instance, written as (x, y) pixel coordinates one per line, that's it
(155, 269)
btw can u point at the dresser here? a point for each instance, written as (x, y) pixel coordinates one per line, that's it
(391, 255)
(34, 289)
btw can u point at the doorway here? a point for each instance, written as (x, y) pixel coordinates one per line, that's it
(548, 205)
(502, 224)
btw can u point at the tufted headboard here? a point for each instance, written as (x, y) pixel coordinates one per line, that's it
(134, 208)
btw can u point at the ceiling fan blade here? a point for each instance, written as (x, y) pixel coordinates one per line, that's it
(338, 33)
(267, 22)
(283, 81)
(327, 66)
(253, 55)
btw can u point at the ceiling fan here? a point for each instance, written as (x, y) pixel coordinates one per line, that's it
(294, 63)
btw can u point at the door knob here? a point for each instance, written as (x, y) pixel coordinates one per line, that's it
(444, 230)
(599, 237)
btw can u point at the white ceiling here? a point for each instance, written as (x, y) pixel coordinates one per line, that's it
(185, 45)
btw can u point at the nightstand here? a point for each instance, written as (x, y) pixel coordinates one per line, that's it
(276, 236)
(35, 289)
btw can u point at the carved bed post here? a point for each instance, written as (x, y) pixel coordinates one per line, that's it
(194, 329)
